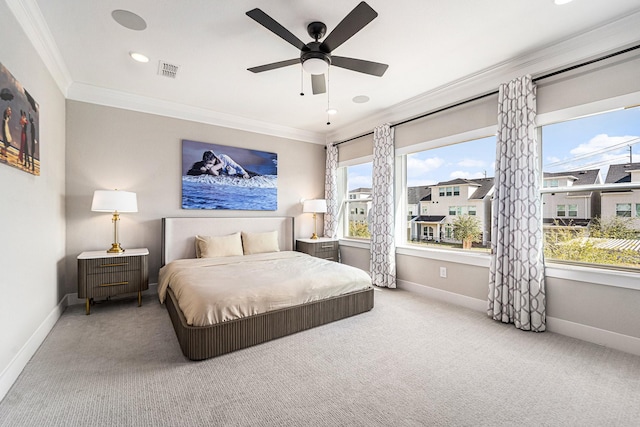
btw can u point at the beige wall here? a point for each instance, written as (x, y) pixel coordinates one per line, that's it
(110, 148)
(598, 306)
(32, 236)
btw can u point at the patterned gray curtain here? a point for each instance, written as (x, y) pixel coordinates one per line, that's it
(516, 275)
(331, 192)
(381, 225)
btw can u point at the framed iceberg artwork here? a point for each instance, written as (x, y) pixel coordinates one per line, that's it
(223, 177)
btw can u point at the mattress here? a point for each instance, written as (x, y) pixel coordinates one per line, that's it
(214, 290)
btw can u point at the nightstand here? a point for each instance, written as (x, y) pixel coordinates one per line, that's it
(102, 274)
(322, 247)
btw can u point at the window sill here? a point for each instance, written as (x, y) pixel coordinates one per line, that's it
(598, 276)
(594, 275)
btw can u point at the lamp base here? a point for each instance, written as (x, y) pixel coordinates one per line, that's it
(115, 249)
(314, 236)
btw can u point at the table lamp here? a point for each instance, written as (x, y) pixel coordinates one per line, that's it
(314, 206)
(114, 201)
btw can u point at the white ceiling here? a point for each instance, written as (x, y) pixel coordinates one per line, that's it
(428, 44)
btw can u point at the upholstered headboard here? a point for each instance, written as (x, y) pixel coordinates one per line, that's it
(178, 234)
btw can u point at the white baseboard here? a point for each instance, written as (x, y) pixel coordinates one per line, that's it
(598, 336)
(582, 332)
(445, 296)
(17, 364)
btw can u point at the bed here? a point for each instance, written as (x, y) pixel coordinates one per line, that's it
(277, 305)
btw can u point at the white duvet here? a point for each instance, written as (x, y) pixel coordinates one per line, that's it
(212, 290)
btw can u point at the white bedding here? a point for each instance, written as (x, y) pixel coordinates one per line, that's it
(213, 290)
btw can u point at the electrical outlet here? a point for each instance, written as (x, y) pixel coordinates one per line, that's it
(443, 272)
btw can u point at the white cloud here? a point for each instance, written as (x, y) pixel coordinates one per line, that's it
(466, 175)
(603, 142)
(422, 166)
(420, 171)
(552, 159)
(471, 163)
(359, 181)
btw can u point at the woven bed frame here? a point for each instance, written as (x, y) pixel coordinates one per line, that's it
(203, 342)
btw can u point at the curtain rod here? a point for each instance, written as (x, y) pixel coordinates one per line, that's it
(458, 104)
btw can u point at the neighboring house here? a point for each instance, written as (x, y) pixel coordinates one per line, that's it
(623, 203)
(570, 209)
(359, 204)
(446, 200)
(414, 196)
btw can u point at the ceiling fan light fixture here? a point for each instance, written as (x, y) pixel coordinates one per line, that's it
(315, 66)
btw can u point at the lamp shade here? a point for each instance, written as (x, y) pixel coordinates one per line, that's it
(314, 206)
(114, 201)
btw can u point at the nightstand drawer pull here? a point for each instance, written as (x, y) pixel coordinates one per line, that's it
(114, 284)
(327, 246)
(114, 265)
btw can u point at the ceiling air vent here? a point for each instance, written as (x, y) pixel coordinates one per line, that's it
(167, 70)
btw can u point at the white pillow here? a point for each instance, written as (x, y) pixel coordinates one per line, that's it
(218, 246)
(257, 243)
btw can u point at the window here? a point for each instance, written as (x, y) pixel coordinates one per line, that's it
(358, 200)
(457, 170)
(638, 210)
(623, 209)
(560, 211)
(592, 151)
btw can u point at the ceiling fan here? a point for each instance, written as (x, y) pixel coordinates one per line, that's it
(316, 56)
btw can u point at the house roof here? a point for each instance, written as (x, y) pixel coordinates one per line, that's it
(429, 218)
(361, 190)
(457, 181)
(486, 184)
(582, 177)
(621, 173)
(417, 194)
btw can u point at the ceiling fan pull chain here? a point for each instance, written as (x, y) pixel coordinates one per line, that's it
(328, 90)
(301, 81)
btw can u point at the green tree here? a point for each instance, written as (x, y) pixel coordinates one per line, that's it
(467, 228)
(615, 227)
(359, 229)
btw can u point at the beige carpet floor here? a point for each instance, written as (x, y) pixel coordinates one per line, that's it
(411, 361)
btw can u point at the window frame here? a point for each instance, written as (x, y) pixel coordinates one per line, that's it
(596, 275)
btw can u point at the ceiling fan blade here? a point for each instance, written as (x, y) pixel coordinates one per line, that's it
(360, 16)
(359, 65)
(318, 84)
(274, 65)
(270, 24)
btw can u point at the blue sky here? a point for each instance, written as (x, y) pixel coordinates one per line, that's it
(593, 142)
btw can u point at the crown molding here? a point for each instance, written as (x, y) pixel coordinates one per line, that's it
(29, 17)
(595, 42)
(127, 101)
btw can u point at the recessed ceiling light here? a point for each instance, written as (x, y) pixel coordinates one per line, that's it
(332, 111)
(560, 2)
(129, 20)
(360, 99)
(138, 57)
